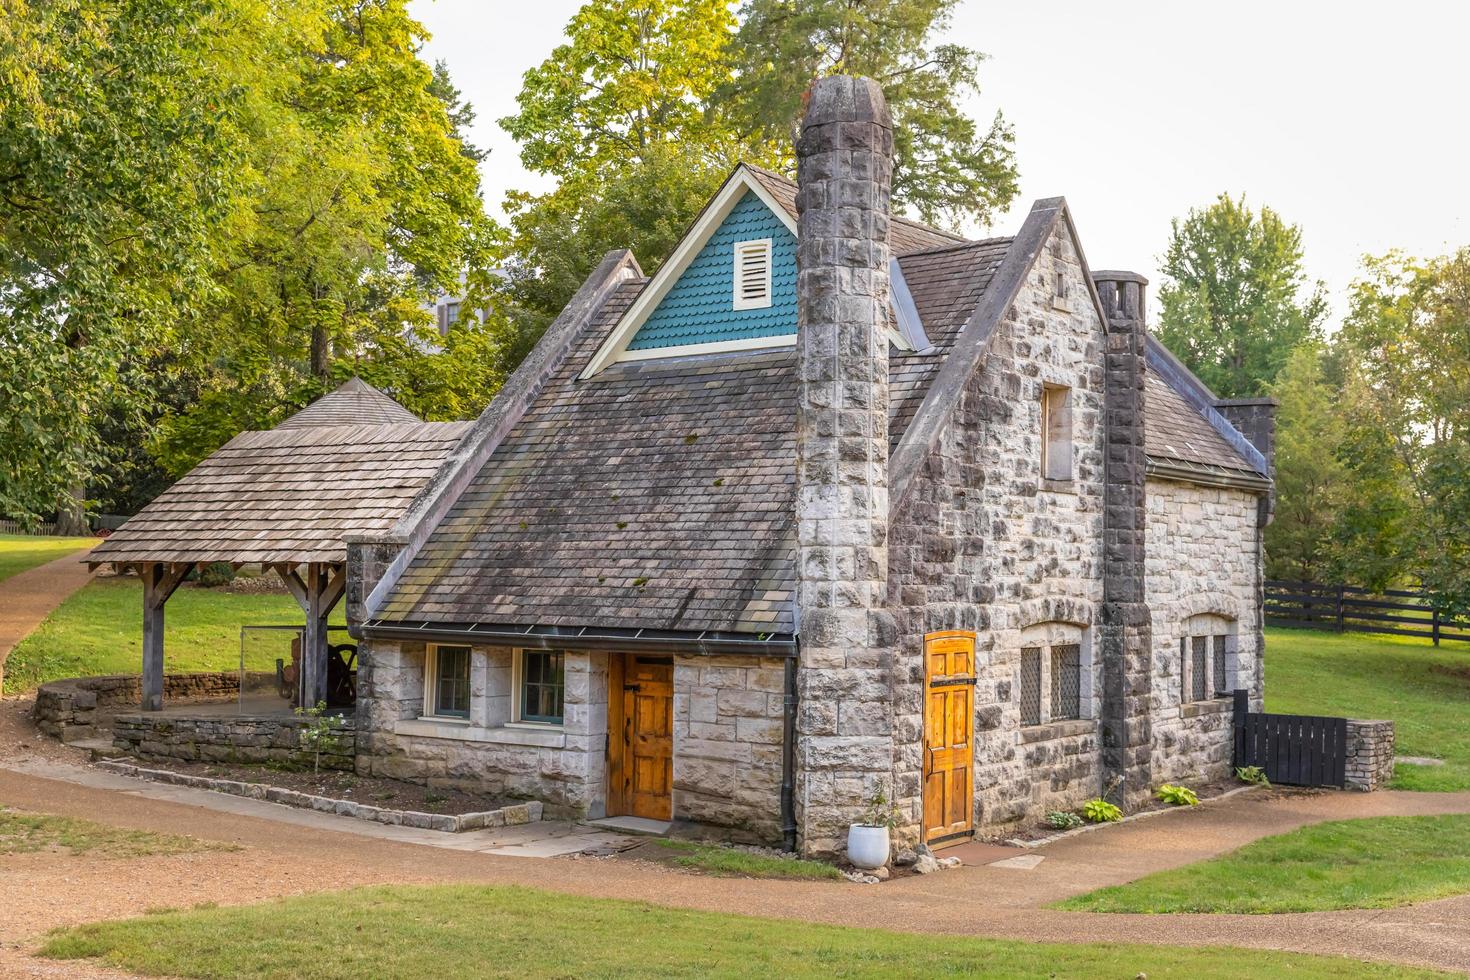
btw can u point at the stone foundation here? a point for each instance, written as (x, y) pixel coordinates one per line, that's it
(67, 709)
(228, 739)
(1369, 754)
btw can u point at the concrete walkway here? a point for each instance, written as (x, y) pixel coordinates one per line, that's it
(290, 852)
(30, 596)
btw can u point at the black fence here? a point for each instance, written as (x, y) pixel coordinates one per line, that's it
(1402, 612)
(1294, 750)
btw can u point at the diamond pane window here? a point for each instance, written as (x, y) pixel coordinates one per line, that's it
(543, 684)
(1220, 679)
(1031, 686)
(1066, 682)
(1200, 673)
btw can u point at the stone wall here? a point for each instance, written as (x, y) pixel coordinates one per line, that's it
(981, 543)
(68, 709)
(1370, 754)
(224, 738)
(1202, 561)
(563, 767)
(728, 741)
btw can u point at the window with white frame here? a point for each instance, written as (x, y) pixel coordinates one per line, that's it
(1056, 433)
(447, 682)
(752, 274)
(540, 685)
(1207, 655)
(1055, 682)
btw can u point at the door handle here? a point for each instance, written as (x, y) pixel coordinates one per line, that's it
(632, 687)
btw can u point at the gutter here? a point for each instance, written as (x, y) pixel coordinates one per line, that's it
(711, 643)
(1207, 476)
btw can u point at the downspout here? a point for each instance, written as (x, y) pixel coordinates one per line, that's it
(788, 759)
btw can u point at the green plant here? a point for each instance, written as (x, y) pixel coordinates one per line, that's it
(1064, 819)
(1177, 795)
(880, 812)
(1252, 774)
(1101, 811)
(215, 574)
(319, 734)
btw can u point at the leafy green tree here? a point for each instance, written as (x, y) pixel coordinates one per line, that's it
(1408, 404)
(1234, 300)
(948, 168)
(117, 164)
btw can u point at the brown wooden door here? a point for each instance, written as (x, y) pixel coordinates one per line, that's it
(949, 734)
(642, 760)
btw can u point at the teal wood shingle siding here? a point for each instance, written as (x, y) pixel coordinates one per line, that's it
(700, 309)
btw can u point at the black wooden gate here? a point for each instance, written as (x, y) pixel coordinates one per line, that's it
(1294, 750)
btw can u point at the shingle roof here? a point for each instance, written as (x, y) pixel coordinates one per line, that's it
(286, 495)
(659, 494)
(1174, 432)
(905, 235)
(354, 402)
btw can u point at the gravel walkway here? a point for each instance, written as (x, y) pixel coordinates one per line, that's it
(281, 858)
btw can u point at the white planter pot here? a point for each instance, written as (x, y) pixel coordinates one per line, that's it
(867, 847)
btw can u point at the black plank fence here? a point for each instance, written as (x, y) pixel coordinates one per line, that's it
(1294, 750)
(1402, 612)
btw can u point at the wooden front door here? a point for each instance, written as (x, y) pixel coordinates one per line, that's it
(641, 737)
(949, 735)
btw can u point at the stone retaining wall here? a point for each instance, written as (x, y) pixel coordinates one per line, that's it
(67, 709)
(1369, 754)
(228, 739)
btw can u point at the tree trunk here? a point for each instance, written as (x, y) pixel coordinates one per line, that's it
(321, 356)
(71, 513)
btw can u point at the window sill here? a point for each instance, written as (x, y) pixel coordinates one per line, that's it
(1058, 729)
(1059, 486)
(537, 735)
(1215, 706)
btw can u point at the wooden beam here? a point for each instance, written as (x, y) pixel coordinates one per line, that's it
(321, 591)
(294, 585)
(159, 583)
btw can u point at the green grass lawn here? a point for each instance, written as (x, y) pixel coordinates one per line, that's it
(1346, 864)
(465, 931)
(19, 551)
(1423, 689)
(25, 833)
(713, 859)
(99, 630)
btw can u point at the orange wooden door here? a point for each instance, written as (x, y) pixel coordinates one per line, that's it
(648, 738)
(949, 734)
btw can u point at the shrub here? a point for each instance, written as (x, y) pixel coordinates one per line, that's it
(1252, 774)
(215, 574)
(1178, 795)
(319, 734)
(1063, 819)
(1101, 811)
(880, 812)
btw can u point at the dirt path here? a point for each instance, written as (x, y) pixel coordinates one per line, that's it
(32, 594)
(285, 859)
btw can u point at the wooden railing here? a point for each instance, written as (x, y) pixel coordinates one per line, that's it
(1346, 608)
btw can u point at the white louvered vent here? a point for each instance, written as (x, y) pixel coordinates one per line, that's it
(753, 274)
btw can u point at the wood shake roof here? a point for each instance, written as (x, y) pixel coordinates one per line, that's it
(292, 493)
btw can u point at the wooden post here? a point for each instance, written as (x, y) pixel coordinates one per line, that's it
(159, 582)
(1434, 621)
(1242, 708)
(1341, 591)
(317, 596)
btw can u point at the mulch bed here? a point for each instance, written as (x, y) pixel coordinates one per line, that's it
(390, 794)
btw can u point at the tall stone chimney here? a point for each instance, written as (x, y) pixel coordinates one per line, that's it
(1127, 626)
(1255, 418)
(844, 176)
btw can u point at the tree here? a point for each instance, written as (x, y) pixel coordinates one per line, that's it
(117, 165)
(1408, 404)
(649, 104)
(1232, 301)
(947, 168)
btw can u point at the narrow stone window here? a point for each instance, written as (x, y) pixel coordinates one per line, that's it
(1200, 669)
(1031, 686)
(1221, 682)
(752, 274)
(542, 686)
(448, 687)
(1056, 433)
(1066, 682)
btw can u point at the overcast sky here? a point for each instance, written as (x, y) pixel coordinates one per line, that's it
(1347, 118)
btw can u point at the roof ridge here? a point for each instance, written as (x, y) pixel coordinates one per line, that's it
(892, 217)
(968, 243)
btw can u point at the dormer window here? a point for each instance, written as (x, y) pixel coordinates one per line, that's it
(753, 274)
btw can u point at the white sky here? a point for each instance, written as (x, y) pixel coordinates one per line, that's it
(1348, 118)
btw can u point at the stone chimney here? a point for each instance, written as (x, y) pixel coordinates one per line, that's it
(1127, 626)
(1255, 418)
(844, 176)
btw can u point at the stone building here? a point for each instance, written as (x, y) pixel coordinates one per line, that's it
(834, 505)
